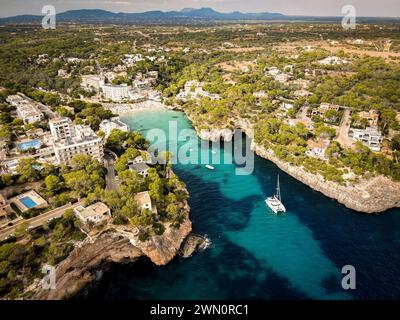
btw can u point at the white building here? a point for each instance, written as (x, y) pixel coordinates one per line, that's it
(370, 137)
(62, 128)
(333, 60)
(75, 140)
(317, 149)
(194, 89)
(286, 106)
(114, 123)
(27, 109)
(141, 168)
(94, 213)
(282, 77)
(92, 82)
(273, 71)
(116, 92)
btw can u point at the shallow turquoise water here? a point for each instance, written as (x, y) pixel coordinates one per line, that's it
(258, 255)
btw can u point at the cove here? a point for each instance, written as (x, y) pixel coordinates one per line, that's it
(255, 254)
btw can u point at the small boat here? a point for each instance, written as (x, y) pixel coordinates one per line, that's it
(275, 202)
(213, 152)
(209, 167)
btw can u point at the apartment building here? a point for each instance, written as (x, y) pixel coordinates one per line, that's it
(116, 92)
(27, 109)
(92, 82)
(77, 139)
(62, 128)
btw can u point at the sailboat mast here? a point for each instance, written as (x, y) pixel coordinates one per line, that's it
(278, 190)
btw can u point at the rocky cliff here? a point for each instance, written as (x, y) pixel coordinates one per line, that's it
(115, 244)
(374, 195)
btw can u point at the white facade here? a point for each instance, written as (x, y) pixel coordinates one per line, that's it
(92, 82)
(27, 109)
(110, 124)
(62, 128)
(116, 92)
(370, 137)
(84, 141)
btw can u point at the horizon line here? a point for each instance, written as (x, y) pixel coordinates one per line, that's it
(180, 10)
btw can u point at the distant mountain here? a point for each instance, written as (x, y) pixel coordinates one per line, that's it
(186, 15)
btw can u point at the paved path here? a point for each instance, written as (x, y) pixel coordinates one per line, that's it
(109, 163)
(343, 133)
(39, 220)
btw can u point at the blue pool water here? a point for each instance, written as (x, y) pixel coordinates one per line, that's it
(28, 202)
(33, 144)
(258, 255)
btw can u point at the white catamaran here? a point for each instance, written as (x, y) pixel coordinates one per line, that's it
(275, 202)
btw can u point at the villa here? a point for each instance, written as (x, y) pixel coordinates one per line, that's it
(302, 93)
(333, 60)
(317, 148)
(370, 137)
(109, 125)
(372, 116)
(323, 108)
(143, 200)
(94, 213)
(141, 168)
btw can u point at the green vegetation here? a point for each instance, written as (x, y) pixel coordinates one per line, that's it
(50, 244)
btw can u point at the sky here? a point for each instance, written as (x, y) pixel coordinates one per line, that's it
(388, 8)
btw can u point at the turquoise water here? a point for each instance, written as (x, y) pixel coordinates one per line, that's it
(28, 202)
(33, 144)
(258, 255)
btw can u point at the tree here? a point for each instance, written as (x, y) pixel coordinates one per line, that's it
(52, 183)
(396, 142)
(26, 171)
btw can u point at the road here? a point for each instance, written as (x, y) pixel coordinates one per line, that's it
(109, 163)
(343, 133)
(39, 220)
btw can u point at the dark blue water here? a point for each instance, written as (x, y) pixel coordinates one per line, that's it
(258, 255)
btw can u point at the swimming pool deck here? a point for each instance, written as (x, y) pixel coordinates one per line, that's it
(34, 197)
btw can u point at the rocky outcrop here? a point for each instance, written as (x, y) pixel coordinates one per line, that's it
(191, 244)
(373, 195)
(91, 257)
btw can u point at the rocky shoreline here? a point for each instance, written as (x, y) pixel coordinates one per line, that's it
(115, 244)
(374, 195)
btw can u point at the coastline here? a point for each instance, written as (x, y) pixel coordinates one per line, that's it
(124, 108)
(93, 256)
(374, 195)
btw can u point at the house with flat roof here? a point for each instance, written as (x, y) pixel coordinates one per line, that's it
(141, 168)
(109, 125)
(370, 137)
(27, 109)
(95, 213)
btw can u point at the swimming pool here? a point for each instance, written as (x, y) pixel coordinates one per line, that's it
(28, 202)
(32, 144)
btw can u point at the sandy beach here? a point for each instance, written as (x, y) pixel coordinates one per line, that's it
(121, 108)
